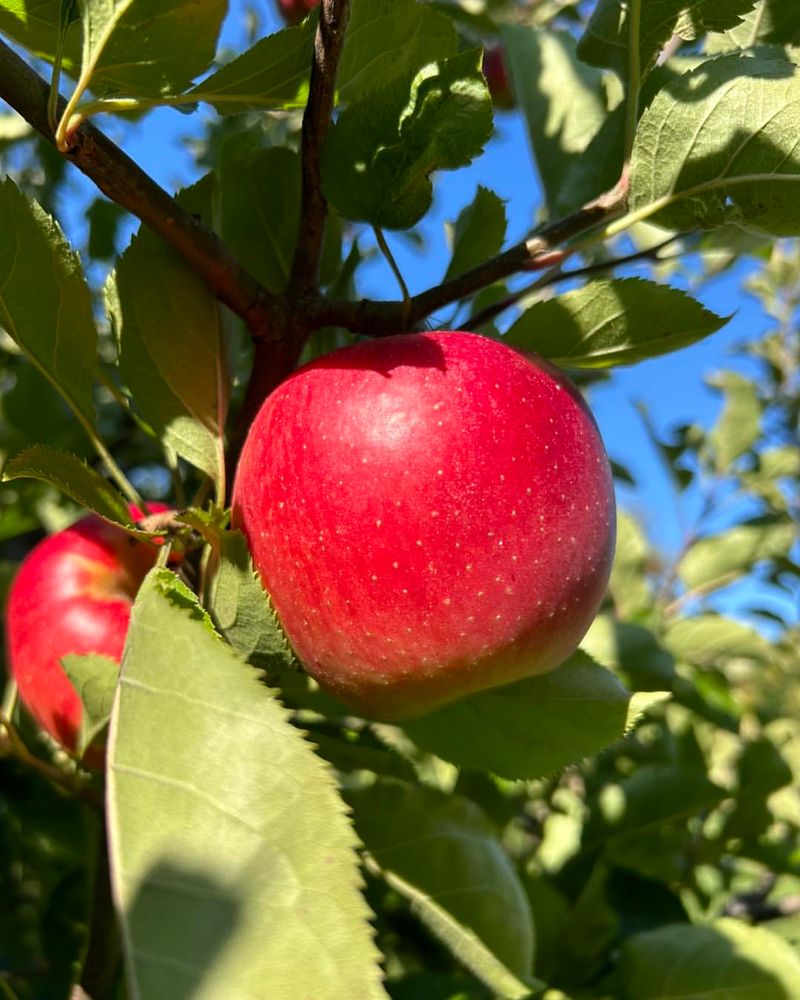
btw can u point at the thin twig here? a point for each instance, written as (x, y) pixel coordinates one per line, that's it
(328, 45)
(557, 275)
(389, 258)
(118, 177)
(545, 249)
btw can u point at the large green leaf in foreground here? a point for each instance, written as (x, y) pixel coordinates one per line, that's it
(233, 864)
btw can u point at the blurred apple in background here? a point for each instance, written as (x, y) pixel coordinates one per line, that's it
(72, 594)
(293, 11)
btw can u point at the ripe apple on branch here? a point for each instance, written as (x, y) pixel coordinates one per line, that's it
(431, 514)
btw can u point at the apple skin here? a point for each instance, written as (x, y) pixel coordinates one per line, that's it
(294, 11)
(72, 593)
(431, 514)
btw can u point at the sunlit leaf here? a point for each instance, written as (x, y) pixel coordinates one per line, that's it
(718, 145)
(273, 73)
(73, 477)
(146, 48)
(246, 920)
(563, 100)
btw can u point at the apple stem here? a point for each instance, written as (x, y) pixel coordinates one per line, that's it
(387, 253)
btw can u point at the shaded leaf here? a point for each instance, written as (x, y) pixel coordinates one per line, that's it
(379, 154)
(247, 920)
(533, 727)
(771, 22)
(728, 958)
(163, 314)
(259, 206)
(35, 25)
(611, 322)
(272, 74)
(442, 855)
(605, 41)
(563, 101)
(718, 145)
(479, 232)
(94, 677)
(147, 48)
(641, 822)
(54, 327)
(390, 38)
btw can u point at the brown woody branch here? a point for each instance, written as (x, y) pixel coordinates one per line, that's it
(118, 177)
(328, 45)
(544, 250)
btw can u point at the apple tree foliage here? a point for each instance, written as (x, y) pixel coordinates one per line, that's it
(623, 827)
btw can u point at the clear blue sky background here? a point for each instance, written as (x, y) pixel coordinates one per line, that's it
(673, 387)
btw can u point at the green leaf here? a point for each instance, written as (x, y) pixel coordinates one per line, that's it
(164, 315)
(390, 38)
(74, 478)
(479, 232)
(605, 41)
(379, 154)
(629, 585)
(272, 74)
(441, 854)
(94, 677)
(53, 327)
(148, 48)
(739, 426)
(531, 728)
(771, 22)
(241, 608)
(259, 206)
(35, 24)
(720, 559)
(707, 640)
(641, 822)
(232, 859)
(563, 101)
(718, 145)
(726, 959)
(612, 322)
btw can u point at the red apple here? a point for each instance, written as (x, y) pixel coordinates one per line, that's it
(293, 11)
(72, 594)
(432, 515)
(497, 80)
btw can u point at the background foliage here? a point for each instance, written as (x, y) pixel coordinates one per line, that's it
(626, 826)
